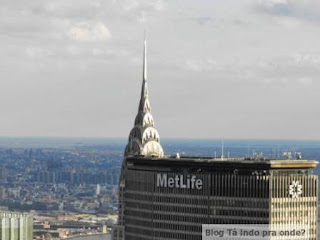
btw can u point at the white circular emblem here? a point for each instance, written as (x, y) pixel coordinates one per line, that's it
(295, 189)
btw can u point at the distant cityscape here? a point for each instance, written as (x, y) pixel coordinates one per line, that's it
(70, 185)
(69, 190)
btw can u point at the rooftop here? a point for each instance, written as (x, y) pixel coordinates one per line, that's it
(251, 163)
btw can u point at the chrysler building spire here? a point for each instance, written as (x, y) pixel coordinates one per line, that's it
(144, 101)
(144, 139)
(145, 61)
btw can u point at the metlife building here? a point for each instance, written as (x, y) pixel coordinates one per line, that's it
(168, 198)
(163, 197)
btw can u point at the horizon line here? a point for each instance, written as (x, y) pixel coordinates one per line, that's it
(163, 138)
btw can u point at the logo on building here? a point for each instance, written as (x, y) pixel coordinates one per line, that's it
(295, 189)
(179, 181)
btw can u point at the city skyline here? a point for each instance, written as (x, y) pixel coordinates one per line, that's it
(245, 69)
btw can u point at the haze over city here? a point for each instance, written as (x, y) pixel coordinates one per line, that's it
(216, 69)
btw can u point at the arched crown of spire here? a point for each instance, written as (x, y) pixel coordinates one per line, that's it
(144, 138)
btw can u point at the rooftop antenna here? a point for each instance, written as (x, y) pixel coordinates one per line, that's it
(298, 155)
(222, 146)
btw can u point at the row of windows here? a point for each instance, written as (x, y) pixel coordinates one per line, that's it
(181, 200)
(133, 231)
(198, 200)
(161, 227)
(240, 213)
(137, 196)
(138, 213)
(294, 213)
(137, 230)
(237, 220)
(258, 213)
(224, 217)
(168, 208)
(170, 198)
(166, 216)
(282, 205)
(242, 203)
(138, 205)
(167, 225)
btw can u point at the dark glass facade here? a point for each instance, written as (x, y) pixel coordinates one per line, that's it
(160, 203)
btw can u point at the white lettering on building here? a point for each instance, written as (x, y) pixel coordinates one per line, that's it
(179, 181)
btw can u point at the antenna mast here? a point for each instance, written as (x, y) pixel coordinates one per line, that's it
(222, 149)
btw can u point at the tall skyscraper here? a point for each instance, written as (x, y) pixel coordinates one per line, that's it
(163, 197)
(16, 226)
(144, 140)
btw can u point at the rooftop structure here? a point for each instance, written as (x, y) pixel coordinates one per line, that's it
(234, 163)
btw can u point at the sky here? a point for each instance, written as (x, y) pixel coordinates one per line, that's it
(245, 69)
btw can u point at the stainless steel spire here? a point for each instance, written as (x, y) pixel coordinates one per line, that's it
(144, 104)
(144, 139)
(145, 61)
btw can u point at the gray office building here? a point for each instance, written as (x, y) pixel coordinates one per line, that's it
(163, 197)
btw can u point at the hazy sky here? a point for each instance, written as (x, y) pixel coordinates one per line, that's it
(231, 69)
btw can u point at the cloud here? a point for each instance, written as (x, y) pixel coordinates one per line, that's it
(140, 11)
(73, 8)
(305, 81)
(200, 65)
(244, 47)
(143, 5)
(35, 52)
(300, 9)
(202, 20)
(306, 59)
(90, 32)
